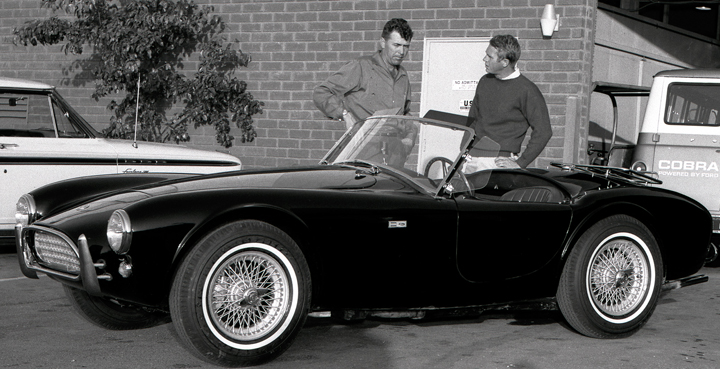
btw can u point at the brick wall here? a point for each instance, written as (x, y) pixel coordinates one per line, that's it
(295, 45)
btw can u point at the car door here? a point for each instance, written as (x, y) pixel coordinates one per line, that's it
(511, 227)
(385, 246)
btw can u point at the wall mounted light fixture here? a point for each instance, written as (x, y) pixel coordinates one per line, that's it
(549, 22)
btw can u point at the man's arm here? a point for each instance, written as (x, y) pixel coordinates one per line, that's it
(409, 136)
(539, 120)
(474, 112)
(328, 96)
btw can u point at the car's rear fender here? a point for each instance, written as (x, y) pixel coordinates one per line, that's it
(678, 249)
(588, 220)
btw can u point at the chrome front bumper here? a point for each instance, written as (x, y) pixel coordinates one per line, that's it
(88, 273)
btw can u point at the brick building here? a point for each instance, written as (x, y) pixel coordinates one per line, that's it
(296, 44)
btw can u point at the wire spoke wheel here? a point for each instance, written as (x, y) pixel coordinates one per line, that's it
(618, 277)
(241, 294)
(612, 278)
(248, 295)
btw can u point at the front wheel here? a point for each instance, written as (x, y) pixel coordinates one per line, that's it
(611, 281)
(241, 294)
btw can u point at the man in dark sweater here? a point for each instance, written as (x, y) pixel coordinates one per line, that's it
(506, 104)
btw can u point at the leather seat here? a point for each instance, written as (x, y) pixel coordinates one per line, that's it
(533, 194)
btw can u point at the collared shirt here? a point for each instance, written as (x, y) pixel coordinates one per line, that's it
(514, 74)
(362, 87)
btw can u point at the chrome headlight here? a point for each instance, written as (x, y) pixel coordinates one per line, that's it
(639, 166)
(119, 232)
(25, 211)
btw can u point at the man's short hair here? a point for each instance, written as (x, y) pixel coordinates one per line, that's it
(507, 47)
(399, 25)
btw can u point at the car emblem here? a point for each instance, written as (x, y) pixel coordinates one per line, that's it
(135, 171)
(397, 224)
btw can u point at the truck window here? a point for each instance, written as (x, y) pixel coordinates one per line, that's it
(693, 104)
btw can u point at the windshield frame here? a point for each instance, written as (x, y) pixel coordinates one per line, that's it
(365, 128)
(75, 117)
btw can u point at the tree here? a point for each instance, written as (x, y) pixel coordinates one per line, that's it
(142, 44)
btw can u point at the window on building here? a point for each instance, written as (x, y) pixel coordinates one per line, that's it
(700, 17)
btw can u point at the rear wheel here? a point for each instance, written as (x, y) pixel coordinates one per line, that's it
(611, 281)
(111, 314)
(241, 294)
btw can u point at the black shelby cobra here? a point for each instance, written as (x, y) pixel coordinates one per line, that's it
(388, 221)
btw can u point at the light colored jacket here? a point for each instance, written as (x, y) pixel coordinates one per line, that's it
(362, 87)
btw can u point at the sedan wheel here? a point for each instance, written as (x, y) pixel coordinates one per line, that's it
(612, 278)
(241, 295)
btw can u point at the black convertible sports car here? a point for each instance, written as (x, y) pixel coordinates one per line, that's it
(387, 222)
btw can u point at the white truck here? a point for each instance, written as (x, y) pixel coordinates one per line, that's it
(679, 139)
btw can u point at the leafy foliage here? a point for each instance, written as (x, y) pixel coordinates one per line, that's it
(141, 44)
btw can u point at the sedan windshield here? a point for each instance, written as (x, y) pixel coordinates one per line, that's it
(422, 150)
(40, 114)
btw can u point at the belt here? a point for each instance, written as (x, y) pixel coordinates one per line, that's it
(478, 153)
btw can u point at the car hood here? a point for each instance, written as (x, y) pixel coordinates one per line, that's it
(314, 177)
(71, 193)
(160, 151)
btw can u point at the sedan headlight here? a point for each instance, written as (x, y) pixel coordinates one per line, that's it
(25, 210)
(119, 232)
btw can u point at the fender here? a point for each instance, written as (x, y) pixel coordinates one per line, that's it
(62, 195)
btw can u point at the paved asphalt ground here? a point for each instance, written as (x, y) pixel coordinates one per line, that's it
(38, 329)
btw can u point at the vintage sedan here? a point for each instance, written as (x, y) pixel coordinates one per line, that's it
(43, 140)
(388, 222)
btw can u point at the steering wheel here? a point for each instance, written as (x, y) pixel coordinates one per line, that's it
(445, 165)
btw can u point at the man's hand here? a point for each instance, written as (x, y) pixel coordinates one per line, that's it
(504, 162)
(348, 119)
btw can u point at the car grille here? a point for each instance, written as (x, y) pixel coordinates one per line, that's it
(55, 252)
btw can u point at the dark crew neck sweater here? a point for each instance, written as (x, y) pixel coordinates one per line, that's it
(503, 110)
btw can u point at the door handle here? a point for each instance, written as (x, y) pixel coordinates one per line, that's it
(6, 145)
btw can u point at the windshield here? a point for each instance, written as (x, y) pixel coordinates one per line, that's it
(40, 114)
(425, 151)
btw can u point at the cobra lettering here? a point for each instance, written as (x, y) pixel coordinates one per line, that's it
(688, 165)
